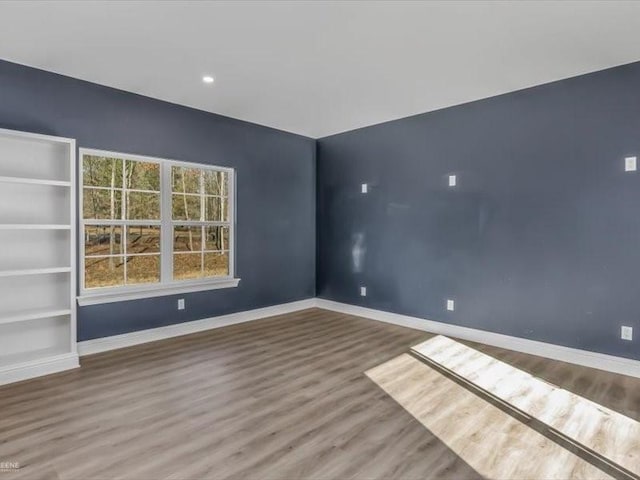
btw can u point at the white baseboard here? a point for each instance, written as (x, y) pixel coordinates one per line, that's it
(37, 368)
(104, 344)
(585, 358)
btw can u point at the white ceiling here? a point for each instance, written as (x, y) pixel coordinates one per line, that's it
(318, 68)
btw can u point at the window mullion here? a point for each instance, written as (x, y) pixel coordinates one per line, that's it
(202, 217)
(100, 221)
(166, 224)
(202, 241)
(123, 215)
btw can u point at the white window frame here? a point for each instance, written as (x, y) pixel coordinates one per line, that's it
(167, 285)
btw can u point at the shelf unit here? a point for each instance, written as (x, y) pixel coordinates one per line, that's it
(37, 255)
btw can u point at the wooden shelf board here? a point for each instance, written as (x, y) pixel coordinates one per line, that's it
(33, 314)
(33, 226)
(35, 181)
(17, 359)
(34, 271)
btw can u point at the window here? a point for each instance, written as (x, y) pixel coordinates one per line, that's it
(149, 223)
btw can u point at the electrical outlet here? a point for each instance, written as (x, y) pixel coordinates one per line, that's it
(452, 180)
(181, 304)
(626, 333)
(630, 164)
(364, 188)
(451, 305)
(363, 291)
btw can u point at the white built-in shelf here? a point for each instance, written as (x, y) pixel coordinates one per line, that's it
(34, 314)
(27, 357)
(35, 181)
(33, 226)
(34, 271)
(37, 255)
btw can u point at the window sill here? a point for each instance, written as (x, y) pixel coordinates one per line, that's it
(158, 291)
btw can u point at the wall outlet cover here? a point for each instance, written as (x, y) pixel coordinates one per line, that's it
(181, 304)
(363, 291)
(451, 305)
(364, 188)
(630, 164)
(452, 180)
(626, 333)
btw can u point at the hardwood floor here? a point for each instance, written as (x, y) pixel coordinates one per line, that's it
(606, 435)
(281, 398)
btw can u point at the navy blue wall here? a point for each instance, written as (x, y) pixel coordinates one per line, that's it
(540, 237)
(275, 187)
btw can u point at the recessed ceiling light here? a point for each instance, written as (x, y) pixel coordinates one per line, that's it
(207, 79)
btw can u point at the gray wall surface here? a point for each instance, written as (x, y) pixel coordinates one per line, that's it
(275, 255)
(539, 239)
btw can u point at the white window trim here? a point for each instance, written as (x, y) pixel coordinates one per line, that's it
(167, 285)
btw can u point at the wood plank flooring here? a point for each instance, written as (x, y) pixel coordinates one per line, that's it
(609, 435)
(281, 398)
(493, 442)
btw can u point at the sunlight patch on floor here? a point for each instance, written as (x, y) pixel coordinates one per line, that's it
(491, 441)
(609, 434)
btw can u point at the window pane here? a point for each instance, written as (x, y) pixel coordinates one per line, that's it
(143, 206)
(185, 180)
(216, 209)
(186, 207)
(103, 272)
(102, 171)
(217, 238)
(187, 265)
(216, 264)
(102, 240)
(143, 269)
(216, 183)
(143, 239)
(142, 175)
(187, 239)
(102, 204)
